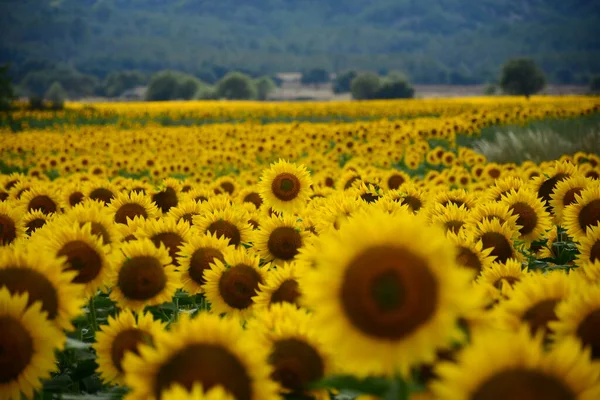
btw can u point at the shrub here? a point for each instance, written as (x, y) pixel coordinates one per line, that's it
(521, 76)
(7, 93)
(118, 82)
(595, 84)
(56, 96)
(365, 85)
(264, 85)
(342, 82)
(236, 86)
(172, 85)
(395, 89)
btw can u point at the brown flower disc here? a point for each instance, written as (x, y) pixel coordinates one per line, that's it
(227, 229)
(238, 285)
(102, 194)
(35, 284)
(526, 217)
(253, 198)
(388, 292)
(16, 349)
(595, 252)
(8, 230)
(207, 364)
(467, 258)
(395, 181)
(75, 198)
(171, 241)
(125, 341)
(589, 215)
(287, 292)
(43, 203)
(453, 226)
(228, 187)
(589, 332)
(538, 316)
(129, 210)
(370, 197)
(296, 364)
(141, 278)
(521, 383)
(284, 242)
(200, 262)
(99, 230)
(84, 259)
(501, 247)
(34, 224)
(412, 202)
(569, 197)
(546, 189)
(166, 199)
(285, 186)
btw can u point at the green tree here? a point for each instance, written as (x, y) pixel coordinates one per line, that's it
(236, 86)
(118, 82)
(595, 84)
(264, 85)
(396, 88)
(315, 76)
(173, 85)
(521, 76)
(7, 93)
(365, 85)
(56, 96)
(341, 83)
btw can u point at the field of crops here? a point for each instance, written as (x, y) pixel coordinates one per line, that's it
(256, 251)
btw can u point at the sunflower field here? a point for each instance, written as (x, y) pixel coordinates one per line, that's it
(257, 251)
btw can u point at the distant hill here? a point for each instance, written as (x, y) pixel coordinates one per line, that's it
(432, 41)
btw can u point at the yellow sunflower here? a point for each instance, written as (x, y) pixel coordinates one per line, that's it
(451, 218)
(207, 350)
(545, 184)
(533, 220)
(130, 206)
(395, 178)
(227, 184)
(230, 223)
(469, 253)
(98, 217)
(492, 210)
(72, 193)
(296, 352)
(11, 223)
(503, 365)
(231, 285)
(100, 190)
(502, 187)
(285, 187)
(386, 292)
(185, 211)
(589, 246)
(279, 239)
(167, 195)
(251, 196)
(584, 213)
(165, 231)
(196, 256)
(410, 195)
(281, 286)
(28, 341)
(503, 276)
(42, 198)
(123, 334)
(498, 237)
(41, 276)
(565, 192)
(142, 275)
(35, 220)
(178, 392)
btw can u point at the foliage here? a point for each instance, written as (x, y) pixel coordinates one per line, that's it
(264, 85)
(172, 85)
(315, 76)
(490, 89)
(56, 95)
(236, 86)
(365, 85)
(395, 88)
(7, 93)
(595, 84)
(37, 82)
(521, 76)
(368, 86)
(118, 82)
(342, 82)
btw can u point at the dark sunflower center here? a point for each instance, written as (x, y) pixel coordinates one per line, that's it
(238, 285)
(34, 224)
(142, 278)
(453, 226)
(16, 349)
(412, 202)
(501, 247)
(369, 197)
(35, 284)
(227, 229)
(228, 187)
(75, 198)
(188, 217)
(538, 316)
(287, 292)
(129, 210)
(595, 251)
(207, 364)
(166, 199)
(253, 198)
(102, 194)
(99, 230)
(522, 384)
(285, 186)
(84, 259)
(467, 258)
(395, 181)
(569, 197)
(511, 280)
(200, 261)
(296, 364)
(284, 242)
(171, 241)
(589, 332)
(388, 292)
(526, 217)
(8, 230)
(43, 203)
(127, 340)
(350, 182)
(589, 215)
(546, 189)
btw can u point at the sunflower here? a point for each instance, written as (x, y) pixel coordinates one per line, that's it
(451, 218)
(42, 198)
(503, 276)
(186, 210)
(72, 193)
(130, 206)
(565, 192)
(285, 187)
(498, 237)
(166, 231)
(469, 253)
(386, 292)
(143, 275)
(230, 223)
(227, 184)
(250, 195)
(35, 220)
(178, 392)
(81, 251)
(28, 341)
(578, 317)
(94, 213)
(395, 178)
(532, 219)
(296, 352)
(545, 184)
(123, 334)
(533, 302)
(207, 350)
(231, 285)
(489, 210)
(584, 213)
(199, 195)
(12, 226)
(513, 365)
(459, 197)
(336, 212)
(279, 239)
(589, 246)
(100, 190)
(502, 187)
(41, 276)
(168, 195)
(196, 256)
(410, 195)
(281, 286)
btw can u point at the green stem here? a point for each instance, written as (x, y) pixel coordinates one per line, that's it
(93, 320)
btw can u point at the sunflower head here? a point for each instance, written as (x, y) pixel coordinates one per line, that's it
(285, 187)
